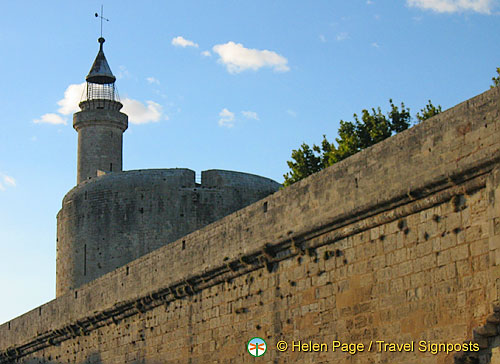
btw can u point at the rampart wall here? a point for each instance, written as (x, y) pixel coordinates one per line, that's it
(398, 243)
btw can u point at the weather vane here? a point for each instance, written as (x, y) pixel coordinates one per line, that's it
(102, 17)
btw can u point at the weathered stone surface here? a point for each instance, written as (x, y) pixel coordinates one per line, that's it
(100, 138)
(351, 253)
(488, 330)
(109, 221)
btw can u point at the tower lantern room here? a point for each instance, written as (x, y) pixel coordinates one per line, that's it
(100, 80)
(100, 124)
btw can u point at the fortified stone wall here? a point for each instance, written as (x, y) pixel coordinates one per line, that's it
(398, 243)
(113, 219)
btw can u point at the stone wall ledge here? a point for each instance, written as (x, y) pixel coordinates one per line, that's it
(447, 155)
(268, 256)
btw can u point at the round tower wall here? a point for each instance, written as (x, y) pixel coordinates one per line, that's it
(108, 221)
(100, 141)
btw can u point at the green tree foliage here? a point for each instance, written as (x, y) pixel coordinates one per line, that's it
(306, 161)
(496, 80)
(353, 136)
(428, 111)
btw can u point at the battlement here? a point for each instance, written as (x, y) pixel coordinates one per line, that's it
(398, 242)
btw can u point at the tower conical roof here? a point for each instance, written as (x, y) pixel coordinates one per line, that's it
(100, 71)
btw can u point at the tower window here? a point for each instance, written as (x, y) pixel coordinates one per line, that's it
(111, 167)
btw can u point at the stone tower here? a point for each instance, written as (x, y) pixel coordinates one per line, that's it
(100, 124)
(110, 219)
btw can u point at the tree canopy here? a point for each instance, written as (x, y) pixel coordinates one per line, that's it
(496, 80)
(353, 136)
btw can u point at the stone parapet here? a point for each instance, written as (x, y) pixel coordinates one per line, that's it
(397, 243)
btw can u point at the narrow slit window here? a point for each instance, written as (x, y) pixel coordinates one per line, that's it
(85, 260)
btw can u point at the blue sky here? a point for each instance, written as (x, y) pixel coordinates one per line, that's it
(210, 84)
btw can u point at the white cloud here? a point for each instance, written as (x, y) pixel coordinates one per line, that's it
(67, 105)
(182, 42)
(292, 113)
(226, 118)
(72, 96)
(122, 72)
(453, 6)
(50, 118)
(369, 2)
(250, 115)
(342, 36)
(206, 54)
(6, 181)
(152, 80)
(237, 58)
(139, 113)
(375, 45)
(322, 38)
(9, 181)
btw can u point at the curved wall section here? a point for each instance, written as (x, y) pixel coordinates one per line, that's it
(100, 138)
(108, 221)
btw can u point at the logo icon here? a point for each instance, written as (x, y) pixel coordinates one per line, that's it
(256, 346)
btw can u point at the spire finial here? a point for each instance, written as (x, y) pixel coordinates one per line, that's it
(102, 18)
(100, 72)
(101, 42)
